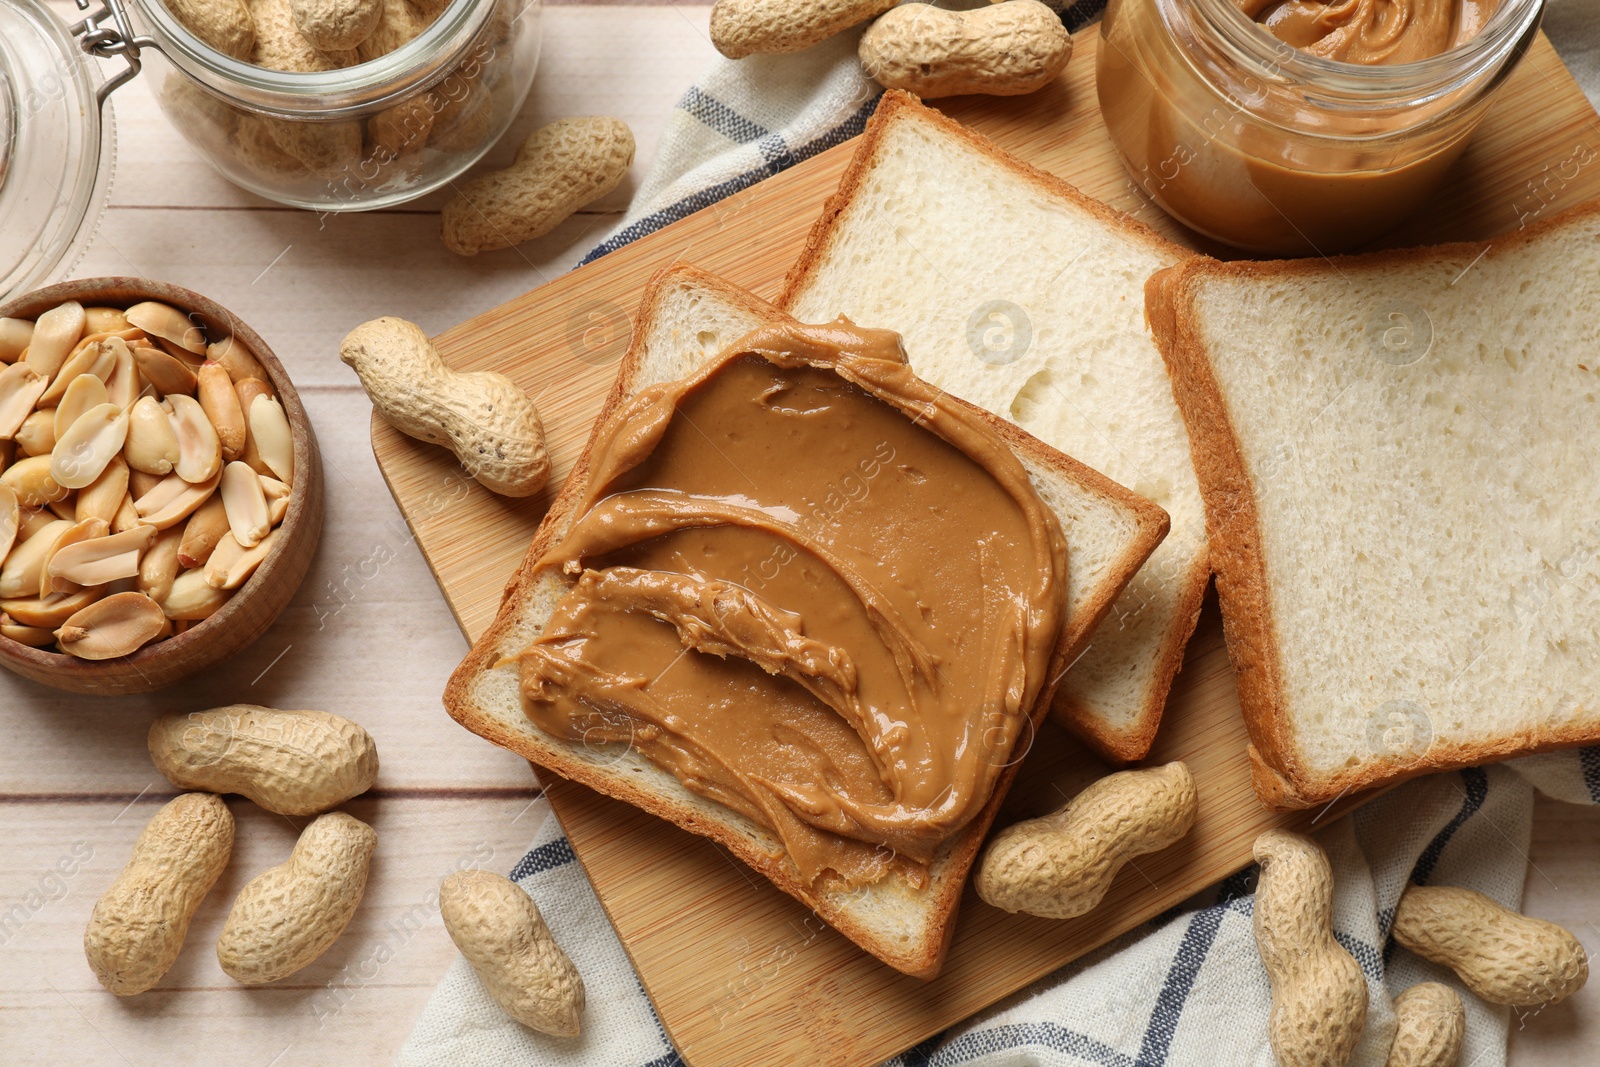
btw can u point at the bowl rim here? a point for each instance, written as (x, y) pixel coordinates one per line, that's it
(123, 291)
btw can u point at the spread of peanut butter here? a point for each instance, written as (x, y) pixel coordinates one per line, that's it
(815, 590)
(1372, 32)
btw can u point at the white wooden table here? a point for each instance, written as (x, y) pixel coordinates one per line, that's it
(369, 635)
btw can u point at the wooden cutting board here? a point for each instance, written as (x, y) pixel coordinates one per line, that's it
(740, 973)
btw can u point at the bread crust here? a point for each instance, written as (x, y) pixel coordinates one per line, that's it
(1278, 770)
(1120, 748)
(924, 959)
(1117, 747)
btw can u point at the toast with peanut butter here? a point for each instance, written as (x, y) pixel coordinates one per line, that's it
(797, 600)
(1018, 293)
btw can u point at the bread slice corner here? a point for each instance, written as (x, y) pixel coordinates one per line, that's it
(686, 318)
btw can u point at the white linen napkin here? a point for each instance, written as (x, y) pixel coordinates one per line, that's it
(1186, 990)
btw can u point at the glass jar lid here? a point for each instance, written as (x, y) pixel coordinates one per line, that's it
(56, 150)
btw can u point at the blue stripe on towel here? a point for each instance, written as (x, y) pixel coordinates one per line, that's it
(1237, 885)
(1020, 1035)
(1369, 958)
(921, 1054)
(1477, 789)
(715, 115)
(547, 857)
(1186, 963)
(706, 197)
(776, 152)
(1589, 760)
(722, 119)
(671, 1059)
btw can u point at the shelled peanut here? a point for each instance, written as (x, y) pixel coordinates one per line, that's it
(126, 437)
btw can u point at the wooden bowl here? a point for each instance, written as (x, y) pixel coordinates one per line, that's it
(257, 603)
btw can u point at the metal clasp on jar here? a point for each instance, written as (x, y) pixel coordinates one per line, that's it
(106, 33)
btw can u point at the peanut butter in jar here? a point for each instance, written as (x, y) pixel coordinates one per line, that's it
(1301, 127)
(1371, 32)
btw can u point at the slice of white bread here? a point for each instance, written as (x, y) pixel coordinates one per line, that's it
(1399, 460)
(1019, 294)
(688, 317)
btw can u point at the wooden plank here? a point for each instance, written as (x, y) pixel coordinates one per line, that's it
(739, 972)
(352, 1006)
(368, 636)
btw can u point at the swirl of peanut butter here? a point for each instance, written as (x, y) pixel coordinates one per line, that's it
(812, 588)
(1371, 32)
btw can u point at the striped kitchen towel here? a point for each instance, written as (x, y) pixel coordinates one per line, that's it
(745, 121)
(1186, 990)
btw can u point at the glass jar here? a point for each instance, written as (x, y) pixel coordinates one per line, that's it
(366, 136)
(56, 150)
(1252, 142)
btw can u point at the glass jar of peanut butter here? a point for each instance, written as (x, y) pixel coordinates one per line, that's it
(1271, 126)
